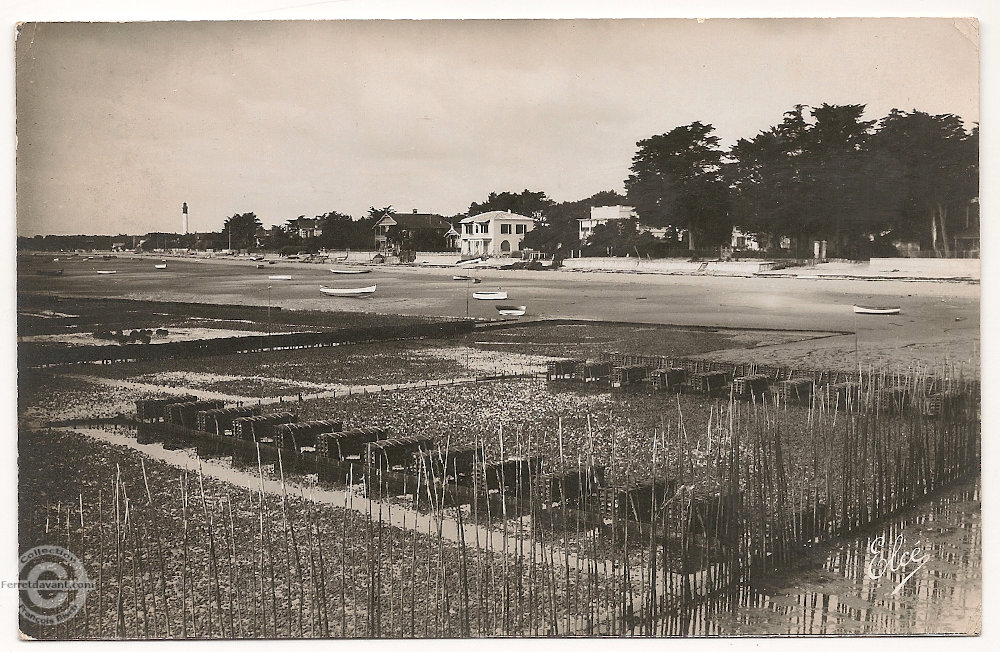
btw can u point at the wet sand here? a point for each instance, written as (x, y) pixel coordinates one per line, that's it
(938, 320)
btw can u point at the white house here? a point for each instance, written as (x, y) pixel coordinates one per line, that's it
(496, 233)
(602, 215)
(744, 241)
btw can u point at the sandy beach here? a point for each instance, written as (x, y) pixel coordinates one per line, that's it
(939, 321)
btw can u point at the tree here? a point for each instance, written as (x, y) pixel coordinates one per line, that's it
(936, 172)
(560, 230)
(677, 181)
(527, 203)
(240, 231)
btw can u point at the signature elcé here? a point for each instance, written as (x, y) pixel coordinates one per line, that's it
(893, 559)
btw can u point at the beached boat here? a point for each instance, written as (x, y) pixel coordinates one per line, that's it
(466, 278)
(490, 296)
(876, 310)
(512, 311)
(107, 271)
(350, 271)
(471, 261)
(279, 277)
(161, 266)
(348, 292)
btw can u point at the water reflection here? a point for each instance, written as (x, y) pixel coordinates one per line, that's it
(831, 593)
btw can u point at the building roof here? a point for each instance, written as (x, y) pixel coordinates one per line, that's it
(490, 215)
(417, 221)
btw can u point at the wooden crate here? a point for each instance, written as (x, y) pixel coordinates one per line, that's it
(625, 376)
(841, 394)
(562, 369)
(797, 390)
(590, 372)
(708, 382)
(667, 379)
(753, 385)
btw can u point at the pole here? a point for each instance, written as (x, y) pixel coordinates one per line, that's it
(268, 311)
(468, 283)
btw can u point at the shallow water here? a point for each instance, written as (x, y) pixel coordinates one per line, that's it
(831, 591)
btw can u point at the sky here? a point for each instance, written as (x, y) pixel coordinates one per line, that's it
(118, 124)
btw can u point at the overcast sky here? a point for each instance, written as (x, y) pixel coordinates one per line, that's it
(118, 124)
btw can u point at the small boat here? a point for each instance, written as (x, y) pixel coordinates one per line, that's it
(350, 271)
(876, 310)
(490, 296)
(279, 277)
(348, 292)
(107, 271)
(512, 311)
(55, 260)
(466, 278)
(260, 266)
(471, 261)
(161, 266)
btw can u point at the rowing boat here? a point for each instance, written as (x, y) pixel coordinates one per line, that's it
(466, 278)
(512, 311)
(350, 271)
(348, 292)
(471, 261)
(490, 296)
(876, 310)
(163, 266)
(279, 277)
(107, 271)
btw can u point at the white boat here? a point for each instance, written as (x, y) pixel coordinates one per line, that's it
(466, 278)
(471, 261)
(490, 296)
(163, 266)
(107, 271)
(279, 277)
(350, 271)
(876, 310)
(348, 292)
(512, 311)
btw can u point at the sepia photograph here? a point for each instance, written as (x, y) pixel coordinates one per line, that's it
(497, 328)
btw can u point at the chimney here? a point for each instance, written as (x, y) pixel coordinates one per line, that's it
(184, 218)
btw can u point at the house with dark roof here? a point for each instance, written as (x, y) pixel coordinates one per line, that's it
(428, 229)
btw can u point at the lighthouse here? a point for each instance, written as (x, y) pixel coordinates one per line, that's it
(184, 218)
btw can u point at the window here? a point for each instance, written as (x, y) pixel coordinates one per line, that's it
(521, 228)
(468, 229)
(484, 227)
(505, 229)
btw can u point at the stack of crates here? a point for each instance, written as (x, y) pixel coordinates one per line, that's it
(513, 475)
(669, 379)
(388, 454)
(708, 382)
(349, 443)
(259, 427)
(637, 501)
(221, 420)
(937, 404)
(589, 372)
(625, 376)
(184, 414)
(751, 386)
(797, 391)
(299, 435)
(562, 369)
(892, 400)
(839, 394)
